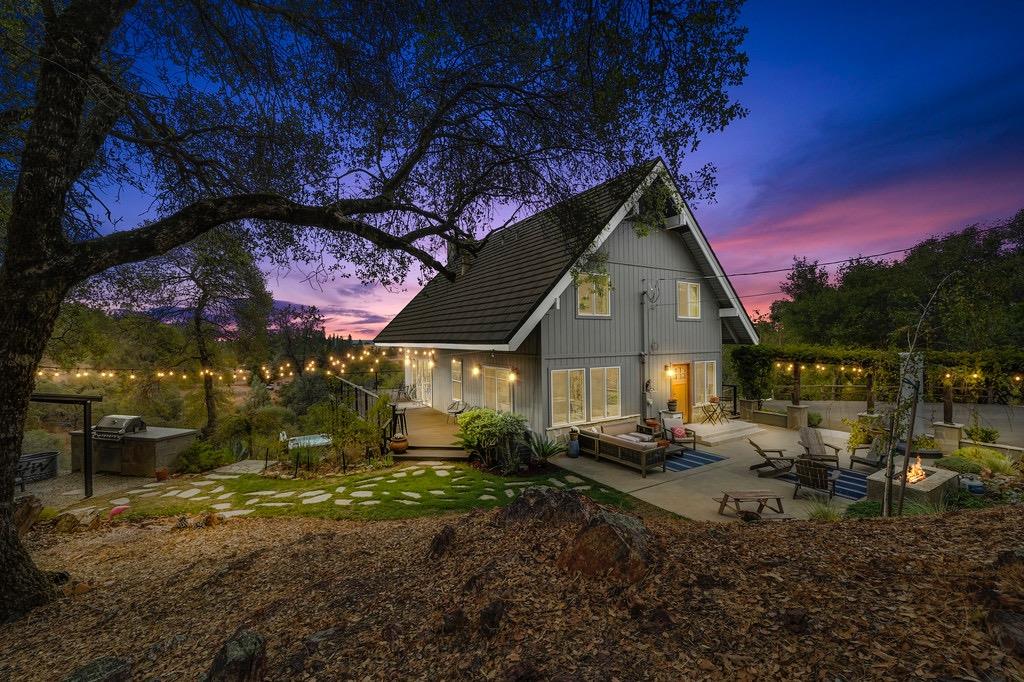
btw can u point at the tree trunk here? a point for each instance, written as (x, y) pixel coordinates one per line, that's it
(28, 310)
(204, 363)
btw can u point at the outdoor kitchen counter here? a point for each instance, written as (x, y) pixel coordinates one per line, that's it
(136, 454)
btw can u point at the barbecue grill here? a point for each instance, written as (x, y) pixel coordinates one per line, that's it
(113, 427)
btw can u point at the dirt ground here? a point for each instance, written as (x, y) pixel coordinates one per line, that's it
(851, 600)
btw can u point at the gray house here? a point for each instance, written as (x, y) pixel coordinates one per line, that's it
(526, 326)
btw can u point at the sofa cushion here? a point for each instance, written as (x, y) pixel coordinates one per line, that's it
(671, 422)
(618, 429)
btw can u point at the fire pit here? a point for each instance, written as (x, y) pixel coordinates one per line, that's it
(924, 484)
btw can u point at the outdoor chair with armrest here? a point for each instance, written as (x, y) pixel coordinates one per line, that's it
(814, 446)
(456, 408)
(774, 464)
(687, 440)
(875, 456)
(815, 476)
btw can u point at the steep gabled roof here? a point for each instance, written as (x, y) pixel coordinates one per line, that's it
(520, 270)
(512, 273)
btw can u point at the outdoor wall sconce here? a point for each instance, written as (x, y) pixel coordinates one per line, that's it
(512, 376)
(670, 372)
(476, 370)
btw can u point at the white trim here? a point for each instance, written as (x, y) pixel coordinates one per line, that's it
(728, 312)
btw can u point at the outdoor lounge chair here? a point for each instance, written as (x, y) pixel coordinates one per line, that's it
(815, 476)
(456, 408)
(687, 440)
(814, 446)
(877, 452)
(774, 464)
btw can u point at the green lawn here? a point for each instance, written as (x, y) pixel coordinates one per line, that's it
(404, 490)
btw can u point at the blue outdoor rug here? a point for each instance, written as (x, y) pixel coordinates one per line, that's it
(690, 459)
(852, 485)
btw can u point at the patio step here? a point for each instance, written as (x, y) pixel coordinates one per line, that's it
(719, 433)
(427, 452)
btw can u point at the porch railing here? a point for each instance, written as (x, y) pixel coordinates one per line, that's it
(361, 401)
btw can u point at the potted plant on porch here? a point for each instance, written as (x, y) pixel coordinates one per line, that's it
(398, 443)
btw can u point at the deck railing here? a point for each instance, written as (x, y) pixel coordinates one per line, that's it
(361, 401)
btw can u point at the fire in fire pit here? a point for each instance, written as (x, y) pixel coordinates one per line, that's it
(916, 472)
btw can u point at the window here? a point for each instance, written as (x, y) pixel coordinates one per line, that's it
(604, 393)
(498, 388)
(567, 397)
(456, 378)
(593, 296)
(687, 300)
(705, 381)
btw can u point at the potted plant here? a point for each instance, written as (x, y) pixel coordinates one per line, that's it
(672, 404)
(162, 474)
(399, 443)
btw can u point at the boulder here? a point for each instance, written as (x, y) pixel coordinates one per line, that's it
(611, 545)
(491, 615)
(26, 512)
(72, 521)
(541, 503)
(241, 659)
(104, 669)
(439, 545)
(1007, 629)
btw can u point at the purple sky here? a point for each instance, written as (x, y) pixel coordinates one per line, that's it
(869, 129)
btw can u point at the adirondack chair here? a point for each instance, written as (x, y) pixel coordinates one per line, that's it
(814, 446)
(774, 464)
(815, 476)
(876, 453)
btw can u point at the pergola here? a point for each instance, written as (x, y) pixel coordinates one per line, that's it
(86, 402)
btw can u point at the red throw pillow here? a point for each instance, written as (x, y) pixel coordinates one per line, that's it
(678, 432)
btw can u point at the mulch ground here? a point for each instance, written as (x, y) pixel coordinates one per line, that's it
(855, 600)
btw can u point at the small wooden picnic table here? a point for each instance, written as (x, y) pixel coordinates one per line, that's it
(736, 497)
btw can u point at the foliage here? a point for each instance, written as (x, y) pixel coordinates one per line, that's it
(235, 432)
(924, 442)
(824, 511)
(814, 419)
(861, 433)
(542, 449)
(259, 394)
(979, 433)
(752, 369)
(38, 440)
(986, 458)
(303, 392)
(202, 456)
(958, 464)
(495, 436)
(864, 509)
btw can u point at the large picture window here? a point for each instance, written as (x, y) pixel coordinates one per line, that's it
(604, 393)
(687, 300)
(593, 296)
(705, 381)
(498, 388)
(567, 392)
(456, 378)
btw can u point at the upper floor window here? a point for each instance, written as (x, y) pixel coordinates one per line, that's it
(593, 296)
(687, 300)
(456, 378)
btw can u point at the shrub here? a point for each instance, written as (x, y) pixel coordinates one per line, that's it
(865, 509)
(259, 396)
(824, 511)
(925, 442)
(979, 433)
(542, 449)
(987, 458)
(202, 456)
(494, 436)
(814, 419)
(958, 464)
(38, 440)
(303, 392)
(861, 433)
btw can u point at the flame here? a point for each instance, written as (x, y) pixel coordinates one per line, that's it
(916, 473)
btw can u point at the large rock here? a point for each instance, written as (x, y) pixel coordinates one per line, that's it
(241, 659)
(1007, 629)
(26, 512)
(541, 503)
(442, 541)
(611, 545)
(105, 669)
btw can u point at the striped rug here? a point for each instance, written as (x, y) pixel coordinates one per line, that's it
(852, 485)
(690, 459)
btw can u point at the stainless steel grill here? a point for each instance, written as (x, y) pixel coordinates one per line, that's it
(113, 427)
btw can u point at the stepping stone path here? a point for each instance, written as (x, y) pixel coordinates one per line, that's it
(581, 487)
(509, 492)
(200, 484)
(370, 502)
(366, 485)
(259, 492)
(191, 492)
(442, 472)
(555, 482)
(119, 501)
(274, 504)
(436, 492)
(170, 493)
(514, 483)
(487, 497)
(311, 493)
(344, 502)
(361, 493)
(153, 485)
(340, 489)
(458, 478)
(225, 496)
(400, 474)
(218, 489)
(222, 477)
(407, 502)
(150, 494)
(221, 506)
(490, 490)
(317, 499)
(200, 497)
(286, 493)
(460, 487)
(409, 493)
(573, 479)
(420, 472)
(235, 512)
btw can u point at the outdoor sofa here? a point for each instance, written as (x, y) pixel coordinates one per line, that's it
(622, 443)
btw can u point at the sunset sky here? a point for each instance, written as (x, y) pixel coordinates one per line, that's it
(868, 130)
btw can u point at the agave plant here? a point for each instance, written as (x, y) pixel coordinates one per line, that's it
(543, 448)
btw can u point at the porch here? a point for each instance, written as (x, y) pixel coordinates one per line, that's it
(431, 434)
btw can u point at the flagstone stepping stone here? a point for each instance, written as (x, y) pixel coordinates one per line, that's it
(222, 477)
(409, 493)
(509, 492)
(274, 504)
(436, 492)
(191, 492)
(487, 497)
(385, 493)
(391, 480)
(221, 505)
(376, 478)
(317, 500)
(259, 492)
(581, 487)
(202, 483)
(286, 493)
(225, 496)
(442, 472)
(311, 493)
(443, 466)
(153, 485)
(490, 490)
(458, 478)
(340, 489)
(361, 493)
(150, 494)
(419, 472)
(171, 493)
(518, 483)
(235, 512)
(573, 479)
(369, 502)
(461, 487)
(407, 502)
(367, 485)
(200, 497)
(253, 500)
(555, 482)
(119, 501)
(401, 474)
(344, 501)
(430, 462)
(218, 489)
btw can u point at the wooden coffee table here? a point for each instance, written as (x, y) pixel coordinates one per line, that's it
(735, 498)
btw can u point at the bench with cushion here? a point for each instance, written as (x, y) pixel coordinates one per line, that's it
(622, 443)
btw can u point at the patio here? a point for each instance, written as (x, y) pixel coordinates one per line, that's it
(691, 492)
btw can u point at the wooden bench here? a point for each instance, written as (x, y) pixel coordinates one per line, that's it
(735, 498)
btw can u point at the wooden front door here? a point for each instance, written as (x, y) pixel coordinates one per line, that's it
(680, 389)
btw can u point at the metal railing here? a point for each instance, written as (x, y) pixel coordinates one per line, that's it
(361, 401)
